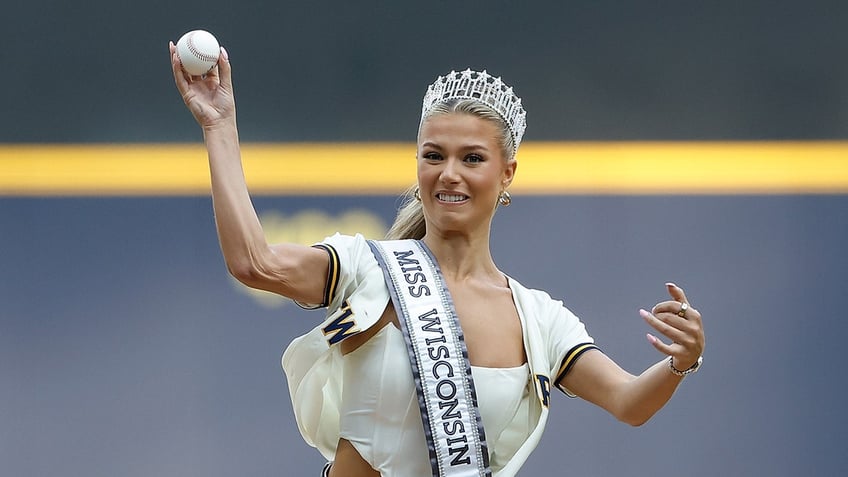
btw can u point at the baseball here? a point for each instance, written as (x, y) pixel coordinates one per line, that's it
(198, 51)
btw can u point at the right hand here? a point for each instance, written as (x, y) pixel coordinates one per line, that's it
(209, 97)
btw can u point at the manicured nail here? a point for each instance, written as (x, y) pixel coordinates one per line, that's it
(225, 54)
(669, 284)
(651, 338)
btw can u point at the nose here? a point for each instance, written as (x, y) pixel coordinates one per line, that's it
(450, 171)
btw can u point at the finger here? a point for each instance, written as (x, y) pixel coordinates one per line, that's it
(659, 345)
(667, 325)
(675, 308)
(177, 68)
(224, 70)
(676, 292)
(211, 76)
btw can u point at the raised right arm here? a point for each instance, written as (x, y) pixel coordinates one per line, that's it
(296, 271)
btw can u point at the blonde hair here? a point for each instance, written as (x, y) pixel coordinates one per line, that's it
(409, 222)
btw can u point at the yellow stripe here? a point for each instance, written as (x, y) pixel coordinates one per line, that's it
(334, 274)
(570, 357)
(389, 168)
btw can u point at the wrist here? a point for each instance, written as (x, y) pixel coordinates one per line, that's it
(221, 126)
(686, 370)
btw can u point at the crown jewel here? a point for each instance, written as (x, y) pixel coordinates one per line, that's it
(483, 87)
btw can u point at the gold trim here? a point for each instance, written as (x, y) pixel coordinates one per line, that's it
(595, 168)
(570, 357)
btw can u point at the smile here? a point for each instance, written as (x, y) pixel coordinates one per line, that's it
(451, 197)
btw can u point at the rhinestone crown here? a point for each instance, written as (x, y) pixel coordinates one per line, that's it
(483, 87)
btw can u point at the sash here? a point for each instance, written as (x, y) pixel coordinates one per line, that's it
(438, 359)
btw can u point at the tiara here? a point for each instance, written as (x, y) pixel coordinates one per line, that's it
(483, 87)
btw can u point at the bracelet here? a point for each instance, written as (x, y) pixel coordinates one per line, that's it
(689, 370)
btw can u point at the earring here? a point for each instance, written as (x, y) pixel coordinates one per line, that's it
(417, 194)
(504, 198)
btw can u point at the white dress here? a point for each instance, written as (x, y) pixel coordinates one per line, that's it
(380, 416)
(368, 396)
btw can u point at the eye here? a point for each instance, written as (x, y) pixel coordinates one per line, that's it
(474, 158)
(432, 156)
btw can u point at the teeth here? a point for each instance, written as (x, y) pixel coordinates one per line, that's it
(452, 197)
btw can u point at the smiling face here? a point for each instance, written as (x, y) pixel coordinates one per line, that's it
(462, 168)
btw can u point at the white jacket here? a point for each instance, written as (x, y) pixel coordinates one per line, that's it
(357, 297)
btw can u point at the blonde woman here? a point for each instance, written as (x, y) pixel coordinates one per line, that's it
(430, 360)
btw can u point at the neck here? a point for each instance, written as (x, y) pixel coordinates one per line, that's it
(461, 257)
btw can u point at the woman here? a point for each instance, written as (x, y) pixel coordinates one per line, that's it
(487, 354)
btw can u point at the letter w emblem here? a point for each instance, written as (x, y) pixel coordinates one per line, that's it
(342, 326)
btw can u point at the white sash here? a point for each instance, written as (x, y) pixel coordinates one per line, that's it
(438, 357)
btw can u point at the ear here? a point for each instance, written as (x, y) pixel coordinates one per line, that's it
(509, 172)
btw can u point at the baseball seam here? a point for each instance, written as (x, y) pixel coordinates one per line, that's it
(197, 53)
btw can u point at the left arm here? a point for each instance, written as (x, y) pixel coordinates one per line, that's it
(634, 399)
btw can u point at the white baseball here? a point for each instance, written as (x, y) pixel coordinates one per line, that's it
(198, 51)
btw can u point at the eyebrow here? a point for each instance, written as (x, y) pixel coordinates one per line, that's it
(470, 147)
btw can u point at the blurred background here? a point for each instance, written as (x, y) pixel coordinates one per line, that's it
(126, 350)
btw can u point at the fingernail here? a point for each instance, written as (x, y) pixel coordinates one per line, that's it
(651, 338)
(669, 284)
(644, 313)
(225, 54)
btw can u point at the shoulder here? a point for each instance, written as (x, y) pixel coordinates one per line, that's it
(539, 306)
(344, 242)
(350, 263)
(532, 297)
(353, 266)
(349, 251)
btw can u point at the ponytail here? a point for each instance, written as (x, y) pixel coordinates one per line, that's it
(409, 223)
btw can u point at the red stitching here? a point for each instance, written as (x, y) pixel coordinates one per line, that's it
(200, 55)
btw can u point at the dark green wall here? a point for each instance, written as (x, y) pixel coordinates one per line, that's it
(340, 71)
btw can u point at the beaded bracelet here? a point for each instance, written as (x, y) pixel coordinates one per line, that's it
(684, 372)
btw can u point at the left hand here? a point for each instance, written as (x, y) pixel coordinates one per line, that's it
(686, 332)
